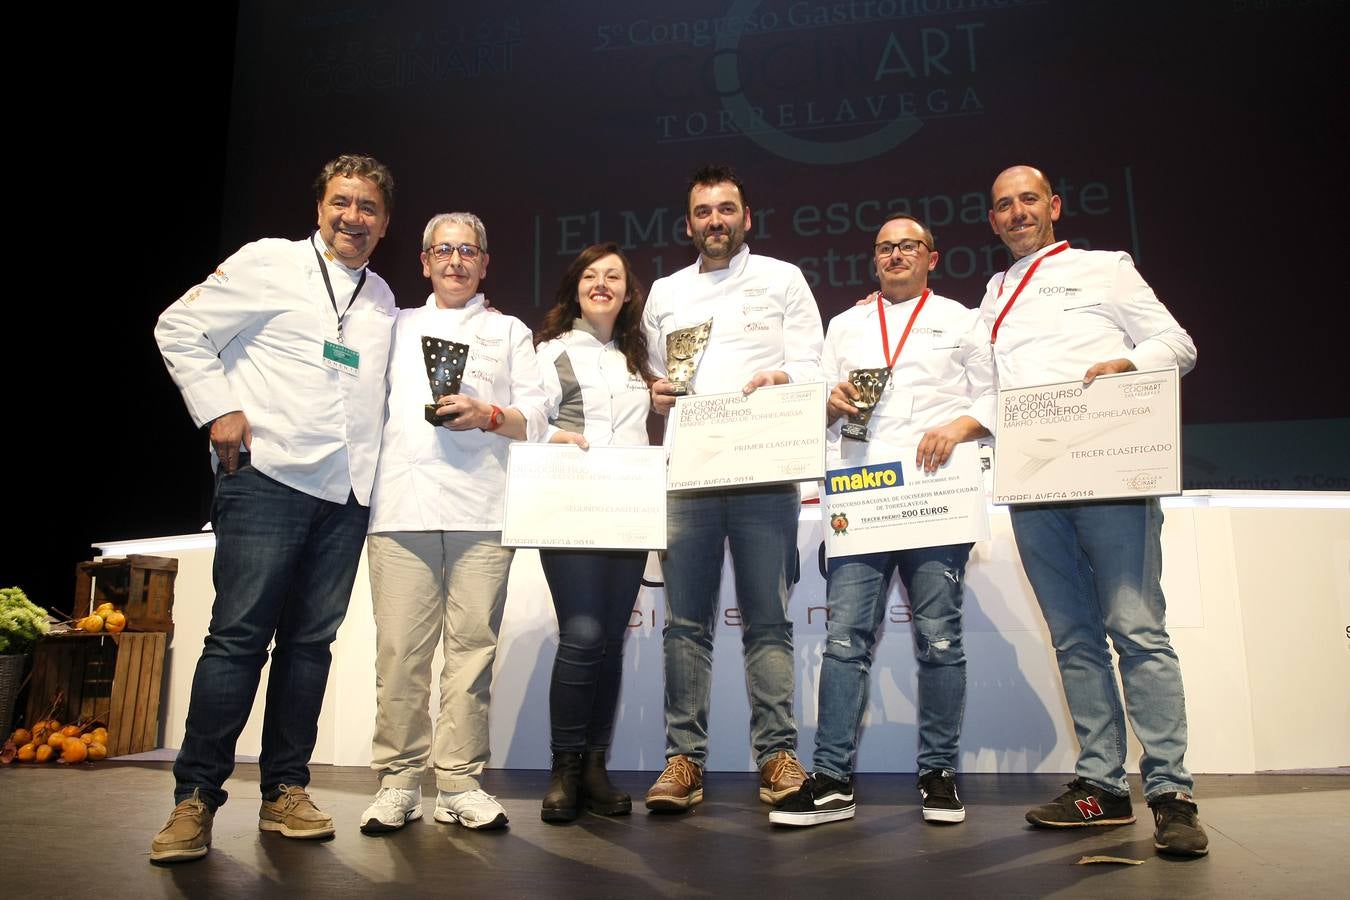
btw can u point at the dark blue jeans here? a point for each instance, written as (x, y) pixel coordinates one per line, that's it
(284, 567)
(856, 595)
(593, 595)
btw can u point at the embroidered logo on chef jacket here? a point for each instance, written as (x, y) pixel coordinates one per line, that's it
(750, 309)
(1059, 289)
(192, 295)
(488, 342)
(755, 291)
(220, 276)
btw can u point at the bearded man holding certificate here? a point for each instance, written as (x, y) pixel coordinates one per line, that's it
(748, 321)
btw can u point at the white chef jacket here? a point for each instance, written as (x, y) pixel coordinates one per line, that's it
(944, 371)
(431, 478)
(764, 318)
(591, 391)
(251, 337)
(1080, 308)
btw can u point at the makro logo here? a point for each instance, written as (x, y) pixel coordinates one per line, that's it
(844, 481)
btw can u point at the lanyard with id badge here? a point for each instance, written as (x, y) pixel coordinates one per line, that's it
(336, 354)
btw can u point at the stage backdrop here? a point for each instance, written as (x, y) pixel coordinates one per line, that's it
(1191, 135)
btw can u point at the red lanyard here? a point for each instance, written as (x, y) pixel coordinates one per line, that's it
(885, 339)
(993, 336)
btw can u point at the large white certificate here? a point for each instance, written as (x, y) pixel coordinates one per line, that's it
(775, 434)
(1118, 437)
(892, 504)
(558, 495)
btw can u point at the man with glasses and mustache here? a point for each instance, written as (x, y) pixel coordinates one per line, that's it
(438, 569)
(765, 331)
(939, 394)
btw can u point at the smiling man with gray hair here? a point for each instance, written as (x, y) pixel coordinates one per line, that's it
(281, 351)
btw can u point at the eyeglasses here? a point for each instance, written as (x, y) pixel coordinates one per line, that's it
(445, 251)
(907, 247)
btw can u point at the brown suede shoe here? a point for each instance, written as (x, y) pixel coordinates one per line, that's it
(187, 834)
(679, 787)
(294, 815)
(780, 776)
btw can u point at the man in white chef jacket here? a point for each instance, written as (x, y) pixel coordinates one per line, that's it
(766, 330)
(1061, 314)
(939, 394)
(282, 353)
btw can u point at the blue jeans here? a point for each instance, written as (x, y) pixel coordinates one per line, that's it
(761, 525)
(593, 595)
(284, 567)
(856, 598)
(1097, 569)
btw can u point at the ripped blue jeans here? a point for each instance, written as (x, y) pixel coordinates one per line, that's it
(856, 597)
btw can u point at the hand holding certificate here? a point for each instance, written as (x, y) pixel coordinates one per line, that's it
(612, 498)
(891, 504)
(775, 434)
(1120, 436)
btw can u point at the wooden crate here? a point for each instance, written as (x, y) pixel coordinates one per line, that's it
(141, 586)
(115, 678)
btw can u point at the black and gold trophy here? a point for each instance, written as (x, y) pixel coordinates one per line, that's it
(684, 348)
(870, 384)
(445, 370)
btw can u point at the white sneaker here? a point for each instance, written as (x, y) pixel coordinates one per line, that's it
(472, 809)
(391, 809)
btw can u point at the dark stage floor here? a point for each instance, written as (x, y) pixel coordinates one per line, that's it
(86, 833)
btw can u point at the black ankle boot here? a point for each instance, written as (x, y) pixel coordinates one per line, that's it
(601, 796)
(561, 801)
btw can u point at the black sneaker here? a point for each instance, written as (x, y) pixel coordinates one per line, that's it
(1177, 828)
(1081, 805)
(940, 801)
(820, 799)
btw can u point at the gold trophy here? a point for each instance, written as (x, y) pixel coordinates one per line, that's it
(684, 348)
(445, 371)
(870, 384)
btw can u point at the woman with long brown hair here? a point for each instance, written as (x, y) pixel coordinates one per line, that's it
(593, 356)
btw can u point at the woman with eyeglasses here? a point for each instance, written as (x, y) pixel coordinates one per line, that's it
(593, 356)
(438, 569)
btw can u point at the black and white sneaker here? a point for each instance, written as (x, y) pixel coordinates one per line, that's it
(1083, 804)
(819, 800)
(940, 800)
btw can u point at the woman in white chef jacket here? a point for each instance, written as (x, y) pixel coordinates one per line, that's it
(593, 360)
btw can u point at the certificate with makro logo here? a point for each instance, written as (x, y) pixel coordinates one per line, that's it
(610, 498)
(775, 434)
(889, 503)
(1118, 437)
